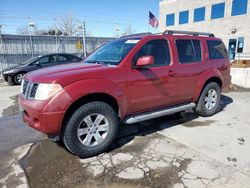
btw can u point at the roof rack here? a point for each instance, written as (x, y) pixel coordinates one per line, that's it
(170, 32)
(137, 34)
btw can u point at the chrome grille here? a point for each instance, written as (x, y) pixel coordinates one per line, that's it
(24, 87)
(33, 90)
(29, 89)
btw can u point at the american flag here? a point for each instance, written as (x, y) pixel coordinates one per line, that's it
(152, 20)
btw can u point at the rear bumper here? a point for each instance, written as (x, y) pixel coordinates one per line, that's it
(36, 115)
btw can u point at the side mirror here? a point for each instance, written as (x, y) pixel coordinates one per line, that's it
(145, 61)
(37, 63)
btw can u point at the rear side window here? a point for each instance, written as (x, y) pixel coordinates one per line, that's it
(62, 58)
(188, 50)
(158, 49)
(216, 49)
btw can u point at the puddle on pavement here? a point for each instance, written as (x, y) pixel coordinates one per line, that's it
(13, 109)
(51, 164)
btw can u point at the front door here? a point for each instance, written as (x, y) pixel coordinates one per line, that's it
(154, 86)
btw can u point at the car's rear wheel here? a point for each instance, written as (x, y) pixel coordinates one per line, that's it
(209, 101)
(91, 129)
(18, 78)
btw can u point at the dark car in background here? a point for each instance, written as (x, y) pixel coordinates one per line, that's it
(14, 75)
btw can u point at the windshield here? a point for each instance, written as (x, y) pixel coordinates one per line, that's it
(30, 60)
(112, 53)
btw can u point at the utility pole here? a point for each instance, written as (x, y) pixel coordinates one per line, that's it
(2, 46)
(84, 38)
(56, 34)
(31, 25)
(117, 29)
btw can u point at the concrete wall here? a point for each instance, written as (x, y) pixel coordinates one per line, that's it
(241, 77)
(221, 27)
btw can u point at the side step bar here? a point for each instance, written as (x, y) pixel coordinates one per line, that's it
(158, 113)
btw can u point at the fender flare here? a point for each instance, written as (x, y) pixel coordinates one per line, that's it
(211, 74)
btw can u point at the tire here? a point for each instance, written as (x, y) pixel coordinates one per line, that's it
(10, 81)
(83, 140)
(209, 101)
(18, 78)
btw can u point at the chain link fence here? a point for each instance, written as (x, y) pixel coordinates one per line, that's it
(15, 49)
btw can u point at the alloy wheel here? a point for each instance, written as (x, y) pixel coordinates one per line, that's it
(211, 99)
(93, 129)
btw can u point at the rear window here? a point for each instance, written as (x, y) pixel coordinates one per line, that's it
(188, 50)
(216, 49)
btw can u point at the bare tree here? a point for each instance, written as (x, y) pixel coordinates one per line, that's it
(66, 25)
(23, 30)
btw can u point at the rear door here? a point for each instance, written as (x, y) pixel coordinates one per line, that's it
(219, 59)
(190, 66)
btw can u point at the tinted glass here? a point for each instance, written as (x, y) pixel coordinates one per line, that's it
(199, 14)
(158, 49)
(183, 17)
(197, 49)
(170, 19)
(218, 11)
(239, 7)
(185, 51)
(217, 49)
(62, 58)
(73, 58)
(44, 60)
(188, 50)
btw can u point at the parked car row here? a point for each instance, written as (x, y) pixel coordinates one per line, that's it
(14, 75)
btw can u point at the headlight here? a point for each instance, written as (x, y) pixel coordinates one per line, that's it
(44, 91)
(22, 85)
(9, 71)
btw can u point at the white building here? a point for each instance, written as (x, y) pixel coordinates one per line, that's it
(227, 19)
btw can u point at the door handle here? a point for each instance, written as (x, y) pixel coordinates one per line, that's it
(171, 73)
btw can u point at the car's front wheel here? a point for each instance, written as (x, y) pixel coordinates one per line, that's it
(209, 101)
(91, 129)
(18, 78)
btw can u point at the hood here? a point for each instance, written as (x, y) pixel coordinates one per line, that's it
(65, 74)
(15, 67)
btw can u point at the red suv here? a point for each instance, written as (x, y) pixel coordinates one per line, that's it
(129, 80)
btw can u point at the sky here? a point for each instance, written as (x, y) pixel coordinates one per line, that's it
(102, 17)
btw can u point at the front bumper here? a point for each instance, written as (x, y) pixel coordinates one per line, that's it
(44, 116)
(5, 77)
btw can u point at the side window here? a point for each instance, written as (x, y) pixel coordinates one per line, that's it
(159, 49)
(217, 49)
(62, 58)
(44, 60)
(52, 59)
(197, 49)
(188, 50)
(74, 58)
